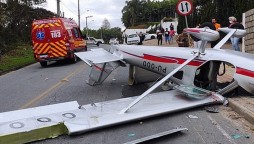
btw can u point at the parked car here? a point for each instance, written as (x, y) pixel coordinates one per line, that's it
(133, 39)
(99, 41)
(94, 41)
(150, 36)
(113, 41)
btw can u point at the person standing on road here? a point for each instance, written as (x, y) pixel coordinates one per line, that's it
(217, 26)
(141, 38)
(235, 40)
(159, 36)
(171, 26)
(166, 34)
(171, 35)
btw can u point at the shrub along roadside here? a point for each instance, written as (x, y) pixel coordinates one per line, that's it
(17, 58)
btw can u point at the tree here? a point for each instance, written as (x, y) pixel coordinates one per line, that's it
(137, 12)
(105, 24)
(16, 18)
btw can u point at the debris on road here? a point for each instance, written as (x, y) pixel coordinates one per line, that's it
(212, 109)
(192, 117)
(237, 136)
(156, 135)
(131, 135)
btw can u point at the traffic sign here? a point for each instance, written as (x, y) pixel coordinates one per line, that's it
(184, 7)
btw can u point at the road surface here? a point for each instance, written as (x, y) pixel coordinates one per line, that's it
(63, 82)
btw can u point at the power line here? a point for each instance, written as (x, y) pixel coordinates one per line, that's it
(68, 8)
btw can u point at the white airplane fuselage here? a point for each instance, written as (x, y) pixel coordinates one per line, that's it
(163, 60)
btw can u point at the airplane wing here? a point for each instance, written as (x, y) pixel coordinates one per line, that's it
(96, 56)
(23, 126)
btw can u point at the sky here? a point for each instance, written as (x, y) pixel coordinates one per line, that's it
(98, 9)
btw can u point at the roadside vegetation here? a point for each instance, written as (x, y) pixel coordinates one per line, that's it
(21, 56)
(16, 18)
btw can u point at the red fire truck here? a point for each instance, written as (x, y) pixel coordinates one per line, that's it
(56, 39)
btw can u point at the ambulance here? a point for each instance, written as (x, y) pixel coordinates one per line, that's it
(56, 39)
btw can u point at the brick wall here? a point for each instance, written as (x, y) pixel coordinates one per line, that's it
(249, 26)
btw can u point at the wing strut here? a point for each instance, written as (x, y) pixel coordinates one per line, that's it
(158, 83)
(224, 40)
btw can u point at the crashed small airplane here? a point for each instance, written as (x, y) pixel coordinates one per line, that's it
(193, 72)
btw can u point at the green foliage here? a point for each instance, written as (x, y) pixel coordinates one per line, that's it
(21, 56)
(15, 22)
(141, 11)
(137, 12)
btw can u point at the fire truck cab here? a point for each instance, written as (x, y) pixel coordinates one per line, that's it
(56, 39)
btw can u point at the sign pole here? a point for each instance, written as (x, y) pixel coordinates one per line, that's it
(184, 8)
(186, 21)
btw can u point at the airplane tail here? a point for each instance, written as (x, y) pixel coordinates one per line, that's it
(102, 62)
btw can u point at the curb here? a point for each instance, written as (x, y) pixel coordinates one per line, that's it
(247, 114)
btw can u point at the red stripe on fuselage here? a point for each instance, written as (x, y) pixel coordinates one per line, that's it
(167, 59)
(159, 59)
(245, 72)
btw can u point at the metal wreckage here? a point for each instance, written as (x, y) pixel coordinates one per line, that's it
(192, 73)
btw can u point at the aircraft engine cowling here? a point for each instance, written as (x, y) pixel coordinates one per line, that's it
(203, 34)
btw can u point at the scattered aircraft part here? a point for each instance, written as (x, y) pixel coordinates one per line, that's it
(144, 139)
(212, 109)
(159, 83)
(204, 34)
(194, 92)
(192, 116)
(39, 123)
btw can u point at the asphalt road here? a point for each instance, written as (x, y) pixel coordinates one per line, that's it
(63, 82)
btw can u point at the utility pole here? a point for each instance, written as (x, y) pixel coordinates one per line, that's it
(58, 8)
(86, 24)
(78, 15)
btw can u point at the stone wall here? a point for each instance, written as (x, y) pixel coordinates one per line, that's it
(249, 26)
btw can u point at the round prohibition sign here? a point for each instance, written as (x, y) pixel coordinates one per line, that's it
(184, 7)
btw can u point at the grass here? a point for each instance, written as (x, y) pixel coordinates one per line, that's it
(17, 58)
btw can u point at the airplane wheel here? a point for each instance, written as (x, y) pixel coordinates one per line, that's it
(43, 64)
(98, 43)
(74, 58)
